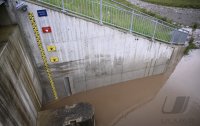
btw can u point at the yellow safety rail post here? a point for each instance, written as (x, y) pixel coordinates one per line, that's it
(44, 58)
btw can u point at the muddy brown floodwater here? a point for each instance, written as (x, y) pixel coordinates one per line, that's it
(122, 104)
(112, 102)
(185, 83)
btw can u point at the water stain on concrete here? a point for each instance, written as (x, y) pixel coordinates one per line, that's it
(114, 102)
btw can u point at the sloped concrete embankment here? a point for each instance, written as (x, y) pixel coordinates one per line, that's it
(91, 55)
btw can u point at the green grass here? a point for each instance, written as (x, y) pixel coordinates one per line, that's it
(195, 26)
(177, 3)
(116, 17)
(129, 4)
(190, 46)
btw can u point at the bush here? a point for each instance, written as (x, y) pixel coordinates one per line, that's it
(191, 40)
(190, 46)
(194, 26)
(164, 18)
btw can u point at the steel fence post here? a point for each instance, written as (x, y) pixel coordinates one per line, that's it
(101, 22)
(172, 38)
(131, 26)
(155, 29)
(63, 8)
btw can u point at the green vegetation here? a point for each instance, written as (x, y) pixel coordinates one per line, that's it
(120, 18)
(195, 26)
(129, 4)
(177, 3)
(190, 46)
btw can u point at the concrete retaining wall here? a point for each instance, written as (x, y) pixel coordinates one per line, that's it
(20, 90)
(91, 55)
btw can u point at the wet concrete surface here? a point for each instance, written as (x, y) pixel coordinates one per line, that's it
(184, 82)
(78, 114)
(20, 92)
(181, 15)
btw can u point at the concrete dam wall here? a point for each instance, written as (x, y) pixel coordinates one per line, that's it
(20, 90)
(86, 55)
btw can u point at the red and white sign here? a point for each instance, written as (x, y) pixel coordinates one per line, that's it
(46, 29)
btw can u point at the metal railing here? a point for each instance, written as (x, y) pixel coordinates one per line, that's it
(126, 19)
